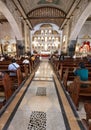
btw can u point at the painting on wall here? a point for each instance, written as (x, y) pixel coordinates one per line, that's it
(48, 2)
(85, 48)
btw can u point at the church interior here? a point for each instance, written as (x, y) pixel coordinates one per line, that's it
(43, 45)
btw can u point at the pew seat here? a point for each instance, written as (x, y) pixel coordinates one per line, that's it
(77, 93)
(7, 87)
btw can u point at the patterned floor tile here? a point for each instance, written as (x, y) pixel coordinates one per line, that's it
(41, 91)
(37, 121)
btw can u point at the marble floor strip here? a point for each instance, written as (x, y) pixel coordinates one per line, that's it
(40, 108)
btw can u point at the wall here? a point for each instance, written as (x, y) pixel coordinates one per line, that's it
(85, 32)
(6, 30)
(71, 22)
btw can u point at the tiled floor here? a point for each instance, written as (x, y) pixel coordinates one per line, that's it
(40, 108)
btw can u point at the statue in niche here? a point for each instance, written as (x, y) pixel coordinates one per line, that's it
(48, 2)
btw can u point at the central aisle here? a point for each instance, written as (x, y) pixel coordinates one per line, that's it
(39, 109)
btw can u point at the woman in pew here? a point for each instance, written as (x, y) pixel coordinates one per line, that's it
(81, 71)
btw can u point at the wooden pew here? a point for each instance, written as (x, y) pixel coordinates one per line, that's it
(5, 82)
(24, 68)
(77, 93)
(71, 63)
(60, 72)
(87, 122)
(65, 78)
(17, 79)
(71, 67)
(86, 125)
(87, 107)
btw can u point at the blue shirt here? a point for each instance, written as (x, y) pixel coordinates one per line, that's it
(13, 66)
(83, 73)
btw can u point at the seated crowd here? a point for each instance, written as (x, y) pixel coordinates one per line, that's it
(13, 71)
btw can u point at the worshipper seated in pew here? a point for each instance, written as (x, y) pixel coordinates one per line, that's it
(32, 61)
(2, 58)
(82, 72)
(13, 67)
(26, 61)
(27, 66)
(15, 73)
(4, 66)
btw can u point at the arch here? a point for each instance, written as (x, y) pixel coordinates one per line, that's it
(55, 27)
(5, 11)
(59, 12)
(46, 14)
(46, 38)
(86, 13)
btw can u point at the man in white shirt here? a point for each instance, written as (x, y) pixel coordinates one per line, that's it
(13, 66)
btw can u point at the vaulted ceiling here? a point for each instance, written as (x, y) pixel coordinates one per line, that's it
(45, 11)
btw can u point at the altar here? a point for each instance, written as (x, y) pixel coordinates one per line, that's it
(45, 53)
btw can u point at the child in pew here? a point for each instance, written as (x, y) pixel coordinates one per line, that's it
(12, 67)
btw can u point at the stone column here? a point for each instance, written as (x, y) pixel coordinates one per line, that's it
(20, 47)
(71, 47)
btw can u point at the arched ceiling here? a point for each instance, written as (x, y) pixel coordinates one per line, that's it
(45, 11)
(29, 5)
